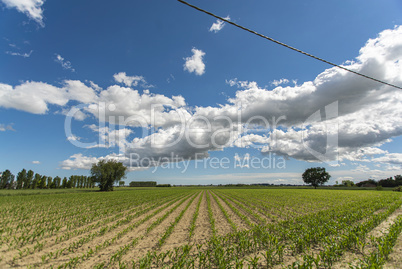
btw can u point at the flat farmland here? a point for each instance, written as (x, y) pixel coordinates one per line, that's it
(201, 228)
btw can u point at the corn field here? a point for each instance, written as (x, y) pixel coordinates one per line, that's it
(200, 228)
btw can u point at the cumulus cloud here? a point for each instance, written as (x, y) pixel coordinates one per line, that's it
(32, 8)
(136, 109)
(115, 102)
(78, 91)
(36, 162)
(33, 97)
(299, 121)
(195, 64)
(64, 63)
(218, 25)
(79, 161)
(390, 158)
(110, 136)
(128, 80)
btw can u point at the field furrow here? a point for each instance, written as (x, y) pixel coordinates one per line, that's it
(202, 228)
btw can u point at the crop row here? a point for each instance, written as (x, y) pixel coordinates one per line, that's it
(268, 227)
(334, 229)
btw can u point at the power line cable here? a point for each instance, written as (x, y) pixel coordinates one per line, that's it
(287, 46)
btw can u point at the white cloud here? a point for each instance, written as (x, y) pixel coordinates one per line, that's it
(36, 162)
(32, 97)
(195, 63)
(128, 80)
(94, 86)
(79, 161)
(361, 173)
(4, 127)
(138, 109)
(390, 158)
(111, 136)
(32, 8)
(76, 90)
(279, 82)
(35, 97)
(73, 138)
(248, 140)
(24, 55)
(247, 178)
(278, 121)
(218, 25)
(64, 63)
(135, 108)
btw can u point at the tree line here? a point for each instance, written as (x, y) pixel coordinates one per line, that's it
(387, 182)
(30, 180)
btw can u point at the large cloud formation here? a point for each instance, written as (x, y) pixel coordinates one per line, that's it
(337, 116)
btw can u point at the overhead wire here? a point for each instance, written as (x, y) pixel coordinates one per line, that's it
(287, 46)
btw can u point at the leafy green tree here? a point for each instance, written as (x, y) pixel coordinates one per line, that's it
(348, 183)
(35, 181)
(21, 178)
(49, 183)
(106, 173)
(121, 183)
(315, 176)
(56, 182)
(42, 182)
(91, 182)
(6, 180)
(30, 176)
(71, 181)
(64, 183)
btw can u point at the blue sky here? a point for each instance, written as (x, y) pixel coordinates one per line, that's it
(189, 87)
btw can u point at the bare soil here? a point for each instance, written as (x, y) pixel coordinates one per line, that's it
(202, 231)
(222, 226)
(182, 228)
(240, 224)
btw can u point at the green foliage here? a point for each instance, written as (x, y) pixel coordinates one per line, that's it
(315, 176)
(56, 182)
(391, 182)
(163, 185)
(142, 184)
(378, 188)
(398, 189)
(348, 183)
(367, 183)
(36, 181)
(64, 183)
(106, 173)
(29, 179)
(316, 227)
(6, 180)
(21, 178)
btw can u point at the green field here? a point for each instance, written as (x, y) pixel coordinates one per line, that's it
(198, 228)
